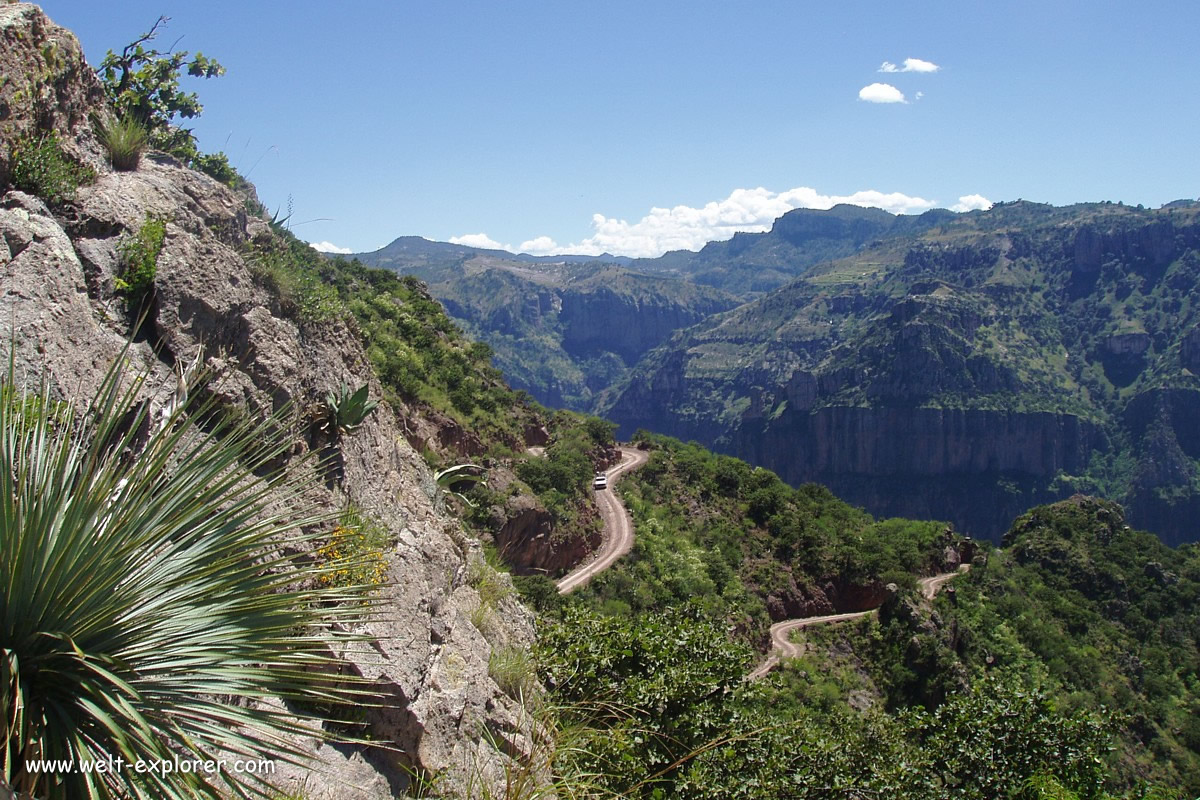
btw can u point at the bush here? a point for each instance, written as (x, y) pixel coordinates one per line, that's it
(216, 165)
(139, 258)
(40, 167)
(148, 593)
(125, 140)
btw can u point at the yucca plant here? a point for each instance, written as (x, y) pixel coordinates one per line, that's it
(149, 599)
(125, 139)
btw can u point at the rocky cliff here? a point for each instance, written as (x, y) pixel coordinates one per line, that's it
(62, 320)
(1003, 359)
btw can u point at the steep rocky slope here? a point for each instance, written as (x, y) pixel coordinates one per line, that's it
(998, 360)
(62, 320)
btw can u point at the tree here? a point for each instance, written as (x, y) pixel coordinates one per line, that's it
(142, 84)
(148, 597)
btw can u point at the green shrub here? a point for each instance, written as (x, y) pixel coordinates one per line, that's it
(139, 258)
(216, 165)
(483, 578)
(142, 83)
(40, 167)
(298, 285)
(538, 591)
(125, 140)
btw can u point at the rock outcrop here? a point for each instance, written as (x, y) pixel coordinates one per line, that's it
(59, 314)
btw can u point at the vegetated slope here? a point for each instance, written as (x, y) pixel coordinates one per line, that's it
(561, 329)
(1092, 619)
(651, 658)
(997, 360)
(749, 550)
(752, 263)
(1107, 617)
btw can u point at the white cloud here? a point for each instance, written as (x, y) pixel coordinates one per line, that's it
(910, 65)
(971, 202)
(329, 247)
(881, 93)
(542, 245)
(920, 95)
(481, 240)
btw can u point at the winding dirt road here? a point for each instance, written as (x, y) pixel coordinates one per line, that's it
(618, 525)
(783, 647)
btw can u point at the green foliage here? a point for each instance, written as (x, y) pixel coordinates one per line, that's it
(1106, 616)
(290, 273)
(40, 167)
(142, 84)
(991, 742)
(487, 581)
(139, 258)
(601, 431)
(568, 464)
(216, 165)
(346, 411)
(148, 593)
(125, 140)
(653, 689)
(1001, 734)
(539, 592)
(670, 717)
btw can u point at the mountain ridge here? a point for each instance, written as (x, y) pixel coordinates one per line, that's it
(1034, 350)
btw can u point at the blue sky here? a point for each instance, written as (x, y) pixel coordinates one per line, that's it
(636, 127)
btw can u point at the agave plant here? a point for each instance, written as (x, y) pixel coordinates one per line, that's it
(346, 410)
(148, 600)
(460, 474)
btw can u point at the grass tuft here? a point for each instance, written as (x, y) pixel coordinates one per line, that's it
(125, 140)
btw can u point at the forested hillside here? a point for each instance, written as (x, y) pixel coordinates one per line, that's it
(1077, 636)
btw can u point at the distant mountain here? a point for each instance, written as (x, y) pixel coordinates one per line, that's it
(561, 328)
(752, 263)
(962, 367)
(414, 251)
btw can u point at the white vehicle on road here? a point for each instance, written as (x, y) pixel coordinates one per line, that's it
(600, 481)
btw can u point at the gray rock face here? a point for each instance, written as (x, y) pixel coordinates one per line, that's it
(49, 84)
(59, 312)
